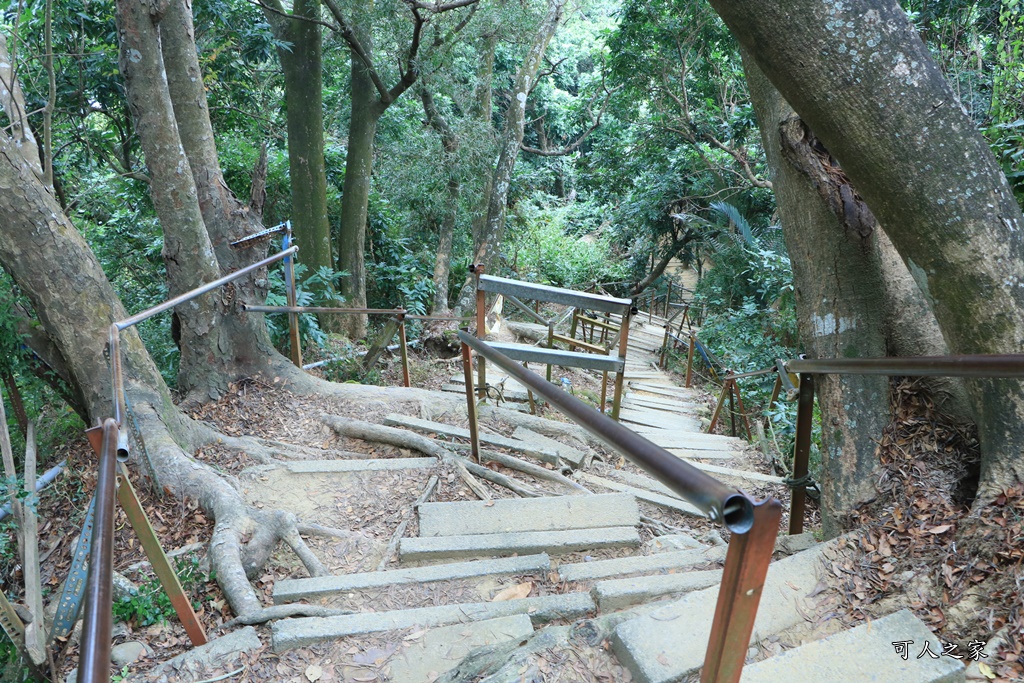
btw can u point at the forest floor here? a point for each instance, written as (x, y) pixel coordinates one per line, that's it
(966, 593)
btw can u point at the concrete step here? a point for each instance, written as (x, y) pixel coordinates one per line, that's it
(495, 545)
(641, 564)
(292, 590)
(670, 643)
(438, 650)
(658, 499)
(507, 394)
(509, 515)
(737, 474)
(639, 480)
(865, 654)
(567, 453)
(641, 402)
(692, 440)
(287, 634)
(659, 419)
(544, 454)
(658, 389)
(616, 594)
(370, 465)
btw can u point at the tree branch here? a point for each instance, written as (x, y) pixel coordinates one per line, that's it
(349, 36)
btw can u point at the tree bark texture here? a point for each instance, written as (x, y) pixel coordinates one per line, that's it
(446, 233)
(837, 280)
(303, 84)
(243, 344)
(362, 130)
(858, 74)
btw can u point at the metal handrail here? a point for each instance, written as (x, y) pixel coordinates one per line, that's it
(97, 623)
(719, 502)
(754, 524)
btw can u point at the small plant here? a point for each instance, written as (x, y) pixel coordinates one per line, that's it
(150, 605)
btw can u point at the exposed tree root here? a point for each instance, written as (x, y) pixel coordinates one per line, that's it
(297, 609)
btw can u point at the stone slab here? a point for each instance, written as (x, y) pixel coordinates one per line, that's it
(328, 466)
(568, 453)
(637, 403)
(658, 389)
(670, 643)
(492, 545)
(692, 440)
(864, 654)
(408, 422)
(616, 594)
(547, 513)
(643, 564)
(287, 634)
(441, 649)
(291, 590)
(651, 497)
(508, 394)
(197, 663)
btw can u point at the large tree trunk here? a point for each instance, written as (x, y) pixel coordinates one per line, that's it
(356, 193)
(450, 144)
(487, 244)
(839, 291)
(860, 77)
(242, 345)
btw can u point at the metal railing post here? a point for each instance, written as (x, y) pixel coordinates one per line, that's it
(404, 349)
(292, 295)
(467, 370)
(689, 361)
(620, 376)
(664, 349)
(743, 411)
(746, 565)
(94, 666)
(481, 328)
(802, 452)
(718, 408)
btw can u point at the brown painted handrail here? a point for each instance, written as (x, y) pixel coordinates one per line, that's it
(94, 666)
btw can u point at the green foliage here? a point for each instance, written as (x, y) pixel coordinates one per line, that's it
(150, 605)
(560, 244)
(397, 277)
(310, 290)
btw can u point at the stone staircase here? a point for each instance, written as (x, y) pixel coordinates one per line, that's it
(563, 558)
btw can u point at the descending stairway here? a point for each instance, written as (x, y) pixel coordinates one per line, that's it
(581, 555)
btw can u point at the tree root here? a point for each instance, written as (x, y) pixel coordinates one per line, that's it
(368, 431)
(297, 609)
(514, 463)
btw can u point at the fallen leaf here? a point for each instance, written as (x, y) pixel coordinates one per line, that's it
(314, 673)
(520, 590)
(986, 670)
(940, 529)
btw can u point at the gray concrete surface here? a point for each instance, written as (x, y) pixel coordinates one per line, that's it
(493, 545)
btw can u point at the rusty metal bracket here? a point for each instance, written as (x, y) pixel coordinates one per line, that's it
(746, 565)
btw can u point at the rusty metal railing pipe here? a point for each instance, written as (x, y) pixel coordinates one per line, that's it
(980, 365)
(252, 308)
(94, 666)
(722, 504)
(203, 289)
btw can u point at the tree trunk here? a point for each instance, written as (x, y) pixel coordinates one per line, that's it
(860, 77)
(356, 194)
(487, 244)
(839, 291)
(302, 66)
(450, 143)
(243, 344)
(188, 253)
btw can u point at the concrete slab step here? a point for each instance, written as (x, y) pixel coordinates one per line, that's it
(658, 389)
(656, 418)
(641, 564)
(441, 649)
(616, 594)
(509, 515)
(328, 466)
(568, 453)
(651, 497)
(670, 643)
(544, 454)
(287, 634)
(737, 474)
(525, 542)
(695, 440)
(636, 400)
(864, 654)
(293, 590)
(507, 394)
